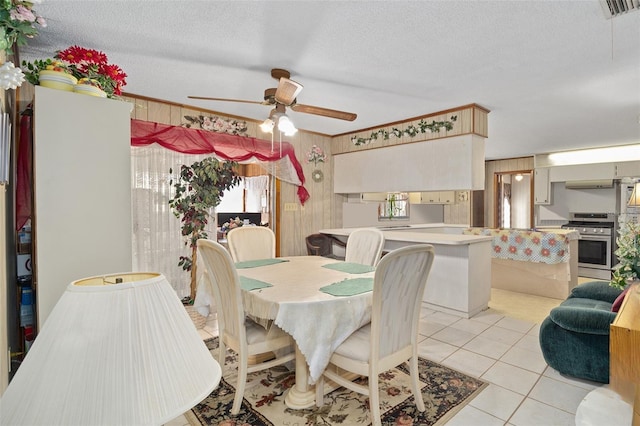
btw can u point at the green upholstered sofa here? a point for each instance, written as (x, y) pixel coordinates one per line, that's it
(575, 336)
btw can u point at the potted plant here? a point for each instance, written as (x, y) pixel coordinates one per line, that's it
(89, 67)
(18, 23)
(628, 253)
(199, 188)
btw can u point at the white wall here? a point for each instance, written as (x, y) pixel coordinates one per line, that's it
(567, 201)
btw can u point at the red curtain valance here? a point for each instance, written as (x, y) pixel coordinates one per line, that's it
(223, 145)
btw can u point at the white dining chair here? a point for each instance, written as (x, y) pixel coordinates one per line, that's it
(392, 336)
(251, 243)
(243, 336)
(364, 246)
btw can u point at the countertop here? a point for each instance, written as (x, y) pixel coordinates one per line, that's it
(428, 233)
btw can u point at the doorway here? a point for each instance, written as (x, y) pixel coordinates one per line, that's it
(513, 203)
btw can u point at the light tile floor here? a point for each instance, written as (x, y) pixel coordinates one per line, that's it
(503, 351)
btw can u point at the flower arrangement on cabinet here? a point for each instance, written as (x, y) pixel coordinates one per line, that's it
(18, 22)
(89, 66)
(628, 254)
(316, 155)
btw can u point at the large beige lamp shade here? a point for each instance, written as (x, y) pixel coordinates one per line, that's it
(115, 350)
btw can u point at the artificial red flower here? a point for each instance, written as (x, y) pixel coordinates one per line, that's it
(79, 55)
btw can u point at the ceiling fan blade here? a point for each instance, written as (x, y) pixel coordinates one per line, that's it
(287, 91)
(229, 100)
(325, 112)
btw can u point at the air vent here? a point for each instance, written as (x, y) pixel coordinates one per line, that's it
(613, 8)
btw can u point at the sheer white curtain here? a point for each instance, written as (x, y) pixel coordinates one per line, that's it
(157, 240)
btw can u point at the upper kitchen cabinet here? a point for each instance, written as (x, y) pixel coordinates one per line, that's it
(627, 169)
(82, 191)
(454, 163)
(577, 172)
(542, 186)
(433, 197)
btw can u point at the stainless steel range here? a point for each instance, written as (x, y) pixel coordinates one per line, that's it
(597, 243)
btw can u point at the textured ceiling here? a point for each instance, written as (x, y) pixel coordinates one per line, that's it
(556, 75)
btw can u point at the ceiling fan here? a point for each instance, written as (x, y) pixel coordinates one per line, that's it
(285, 96)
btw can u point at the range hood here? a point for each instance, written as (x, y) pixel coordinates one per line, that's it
(589, 184)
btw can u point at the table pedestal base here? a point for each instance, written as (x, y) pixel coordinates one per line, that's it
(301, 395)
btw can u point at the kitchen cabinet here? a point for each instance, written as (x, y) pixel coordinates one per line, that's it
(433, 197)
(454, 163)
(81, 222)
(577, 172)
(627, 169)
(376, 197)
(542, 186)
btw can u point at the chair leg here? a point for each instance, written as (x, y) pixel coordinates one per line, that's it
(320, 391)
(415, 383)
(374, 400)
(222, 353)
(242, 381)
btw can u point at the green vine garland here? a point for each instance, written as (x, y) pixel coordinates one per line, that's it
(411, 131)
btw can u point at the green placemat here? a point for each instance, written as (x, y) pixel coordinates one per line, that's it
(351, 268)
(258, 262)
(349, 287)
(249, 284)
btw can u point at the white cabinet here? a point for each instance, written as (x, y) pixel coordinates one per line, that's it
(455, 163)
(82, 191)
(433, 197)
(376, 197)
(542, 186)
(577, 172)
(627, 169)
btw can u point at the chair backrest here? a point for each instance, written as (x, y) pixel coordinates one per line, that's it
(225, 283)
(364, 246)
(319, 245)
(251, 243)
(398, 288)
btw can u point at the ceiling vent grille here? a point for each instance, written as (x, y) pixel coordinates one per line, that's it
(613, 8)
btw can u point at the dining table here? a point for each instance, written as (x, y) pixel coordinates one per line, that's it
(317, 300)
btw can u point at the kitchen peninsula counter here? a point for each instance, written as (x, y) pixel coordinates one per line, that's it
(460, 278)
(432, 233)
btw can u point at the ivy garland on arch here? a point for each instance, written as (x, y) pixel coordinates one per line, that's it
(411, 131)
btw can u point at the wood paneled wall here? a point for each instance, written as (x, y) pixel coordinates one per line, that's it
(318, 212)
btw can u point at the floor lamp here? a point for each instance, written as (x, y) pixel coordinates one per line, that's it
(116, 350)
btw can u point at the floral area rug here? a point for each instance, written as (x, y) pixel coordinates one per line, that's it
(445, 392)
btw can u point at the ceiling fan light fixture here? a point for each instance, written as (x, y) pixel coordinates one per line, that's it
(267, 125)
(286, 126)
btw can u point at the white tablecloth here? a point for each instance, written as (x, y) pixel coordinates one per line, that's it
(317, 321)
